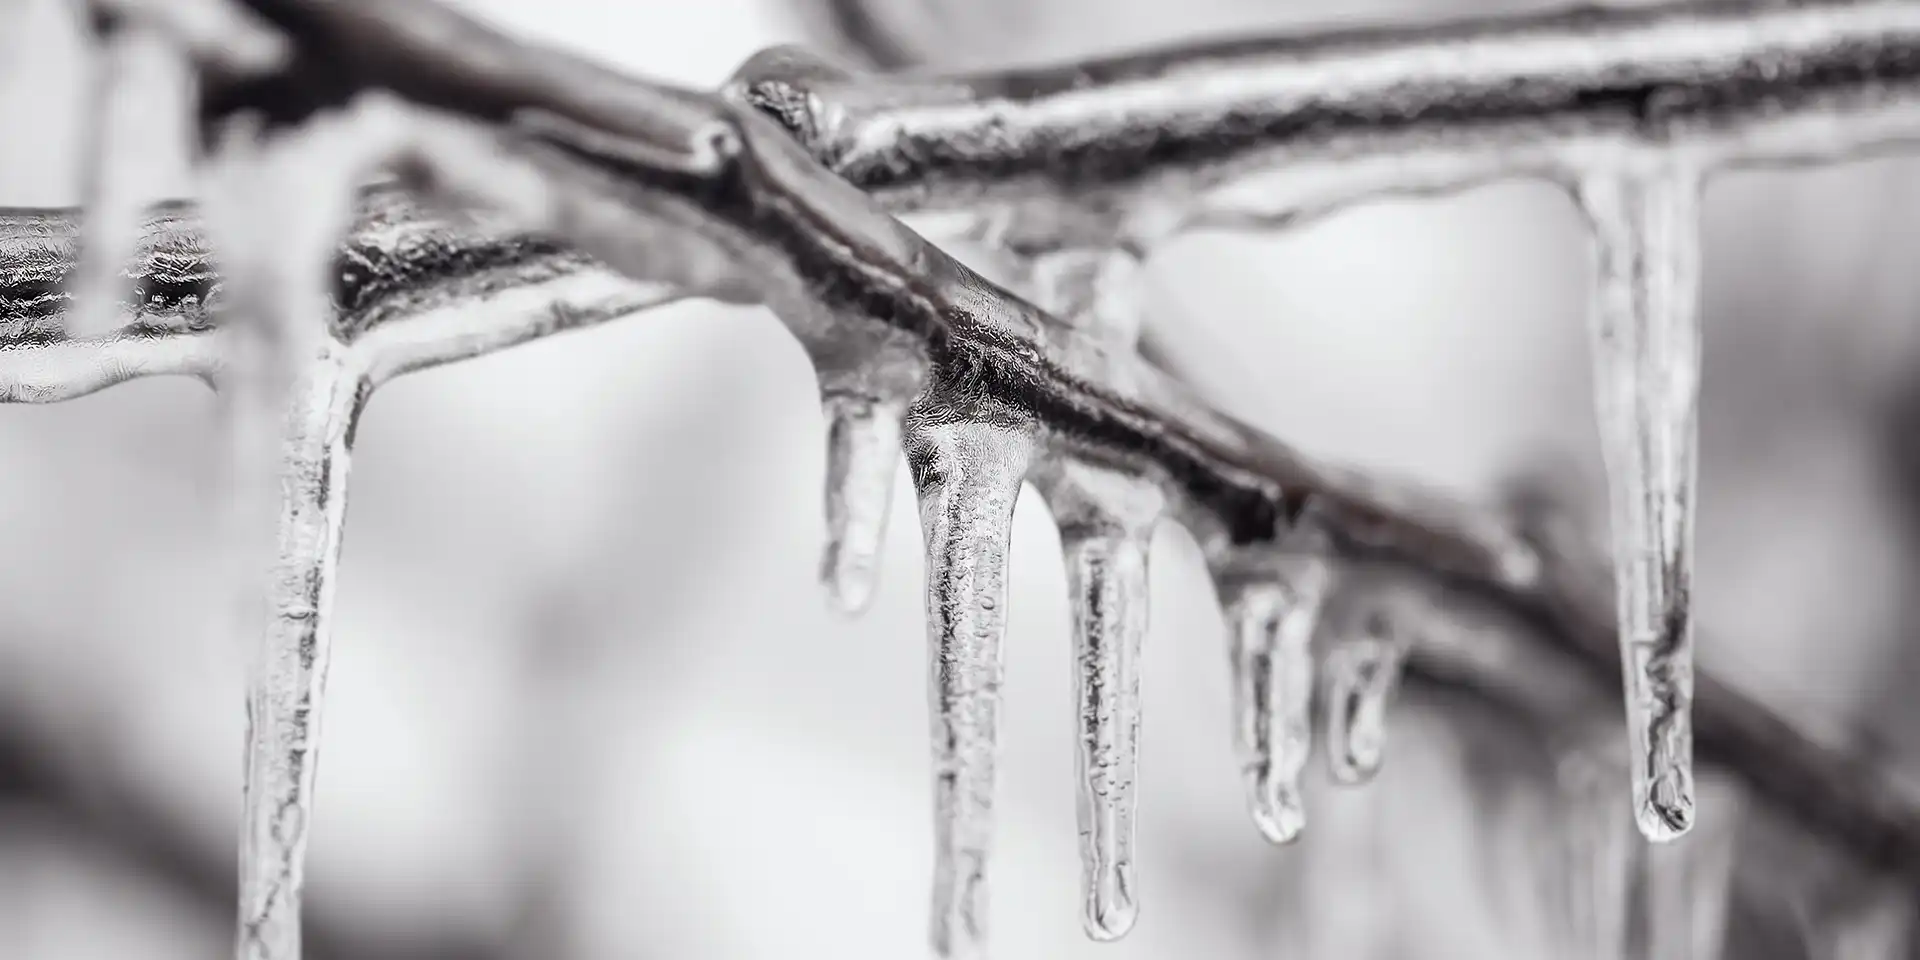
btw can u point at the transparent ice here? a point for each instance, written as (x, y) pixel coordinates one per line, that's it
(969, 477)
(1272, 676)
(1361, 676)
(1689, 883)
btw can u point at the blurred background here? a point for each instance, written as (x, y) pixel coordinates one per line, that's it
(587, 700)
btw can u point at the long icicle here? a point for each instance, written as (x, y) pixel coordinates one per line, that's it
(1602, 854)
(968, 475)
(1646, 350)
(1689, 889)
(863, 455)
(1272, 675)
(290, 669)
(1361, 677)
(1106, 528)
(277, 204)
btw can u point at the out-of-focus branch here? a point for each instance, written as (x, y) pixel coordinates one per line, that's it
(625, 163)
(69, 789)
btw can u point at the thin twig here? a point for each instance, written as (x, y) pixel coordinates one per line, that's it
(654, 162)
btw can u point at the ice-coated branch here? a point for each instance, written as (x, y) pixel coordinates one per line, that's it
(1377, 109)
(673, 192)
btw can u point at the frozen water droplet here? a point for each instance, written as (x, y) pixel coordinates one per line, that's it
(1106, 527)
(288, 678)
(142, 130)
(1690, 883)
(1601, 851)
(1272, 665)
(1646, 348)
(1362, 675)
(863, 453)
(969, 477)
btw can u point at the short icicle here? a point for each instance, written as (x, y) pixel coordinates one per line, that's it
(1689, 884)
(1273, 623)
(1602, 853)
(968, 475)
(1361, 677)
(1646, 362)
(1106, 528)
(863, 455)
(289, 673)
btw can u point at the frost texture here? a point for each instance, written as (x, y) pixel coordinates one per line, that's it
(1646, 362)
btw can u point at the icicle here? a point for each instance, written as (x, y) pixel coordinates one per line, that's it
(1602, 854)
(1690, 883)
(143, 114)
(289, 675)
(1646, 346)
(276, 207)
(1272, 663)
(1106, 528)
(1362, 675)
(863, 452)
(969, 476)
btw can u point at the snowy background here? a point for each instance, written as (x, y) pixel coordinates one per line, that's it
(587, 701)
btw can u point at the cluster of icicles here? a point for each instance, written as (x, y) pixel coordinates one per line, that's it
(276, 208)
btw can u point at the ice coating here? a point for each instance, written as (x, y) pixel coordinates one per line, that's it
(1689, 884)
(968, 475)
(289, 676)
(1646, 371)
(1106, 528)
(141, 131)
(1602, 855)
(1273, 623)
(863, 455)
(1361, 676)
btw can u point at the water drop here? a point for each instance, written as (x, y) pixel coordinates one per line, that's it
(1646, 350)
(968, 475)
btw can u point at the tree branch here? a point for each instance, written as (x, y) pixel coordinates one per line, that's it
(627, 163)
